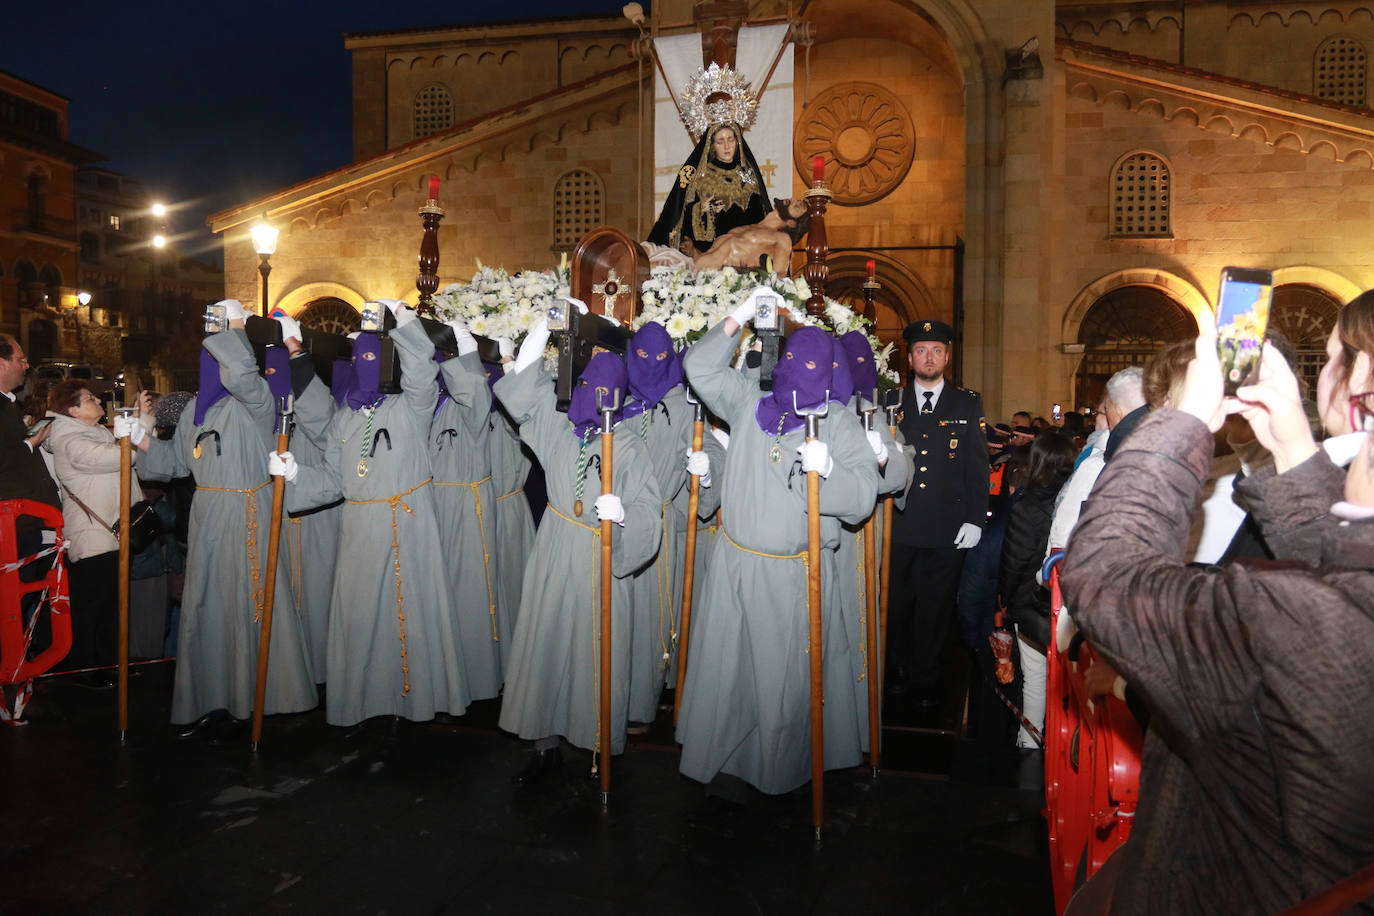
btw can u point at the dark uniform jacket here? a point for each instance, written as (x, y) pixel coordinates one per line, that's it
(950, 486)
(23, 475)
(1254, 783)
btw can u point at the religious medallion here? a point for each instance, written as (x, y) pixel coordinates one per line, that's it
(362, 467)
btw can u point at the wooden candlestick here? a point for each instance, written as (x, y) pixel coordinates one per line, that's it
(428, 280)
(816, 270)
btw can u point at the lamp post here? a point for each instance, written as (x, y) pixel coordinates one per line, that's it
(265, 244)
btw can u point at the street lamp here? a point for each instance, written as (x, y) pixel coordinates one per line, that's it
(84, 298)
(159, 241)
(265, 244)
(159, 210)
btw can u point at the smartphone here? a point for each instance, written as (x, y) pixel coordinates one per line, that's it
(765, 312)
(1057, 413)
(38, 427)
(1242, 316)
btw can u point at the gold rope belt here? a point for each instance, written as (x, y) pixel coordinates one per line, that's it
(859, 559)
(252, 516)
(596, 634)
(295, 548)
(395, 500)
(511, 493)
(596, 530)
(486, 555)
(664, 571)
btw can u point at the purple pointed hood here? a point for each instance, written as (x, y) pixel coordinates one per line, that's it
(805, 369)
(605, 373)
(278, 372)
(653, 368)
(862, 364)
(211, 390)
(364, 388)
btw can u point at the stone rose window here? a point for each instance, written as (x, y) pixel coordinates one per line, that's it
(1340, 70)
(1140, 197)
(433, 111)
(577, 208)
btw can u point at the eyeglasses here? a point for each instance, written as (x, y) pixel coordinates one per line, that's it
(88, 399)
(1362, 412)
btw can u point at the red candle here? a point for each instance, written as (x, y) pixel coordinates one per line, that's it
(818, 168)
(434, 187)
(872, 269)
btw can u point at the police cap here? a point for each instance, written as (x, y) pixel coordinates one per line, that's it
(924, 330)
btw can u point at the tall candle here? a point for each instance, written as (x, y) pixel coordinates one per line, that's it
(434, 187)
(818, 168)
(872, 269)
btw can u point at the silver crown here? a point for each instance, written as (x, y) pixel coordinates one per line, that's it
(718, 95)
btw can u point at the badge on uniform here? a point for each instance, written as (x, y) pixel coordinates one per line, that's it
(953, 443)
(197, 451)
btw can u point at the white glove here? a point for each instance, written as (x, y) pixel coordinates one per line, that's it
(505, 347)
(290, 328)
(875, 442)
(128, 428)
(968, 537)
(699, 465)
(233, 309)
(466, 342)
(721, 436)
(578, 304)
(532, 347)
(282, 464)
(744, 312)
(815, 456)
(609, 509)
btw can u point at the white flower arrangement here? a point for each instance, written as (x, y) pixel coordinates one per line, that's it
(687, 303)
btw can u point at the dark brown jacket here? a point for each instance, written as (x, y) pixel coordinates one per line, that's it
(1257, 783)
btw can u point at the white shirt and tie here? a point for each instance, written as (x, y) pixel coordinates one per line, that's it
(928, 397)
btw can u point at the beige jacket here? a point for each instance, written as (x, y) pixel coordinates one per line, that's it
(86, 463)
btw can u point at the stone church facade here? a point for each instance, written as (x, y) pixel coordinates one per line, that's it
(1064, 182)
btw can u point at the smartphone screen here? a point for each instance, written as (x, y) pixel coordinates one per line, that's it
(1242, 315)
(38, 426)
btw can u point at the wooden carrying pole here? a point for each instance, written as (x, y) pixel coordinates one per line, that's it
(607, 469)
(689, 557)
(885, 581)
(874, 656)
(269, 589)
(125, 481)
(815, 635)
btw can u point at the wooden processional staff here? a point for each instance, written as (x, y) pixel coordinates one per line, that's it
(689, 555)
(125, 557)
(816, 632)
(285, 409)
(890, 408)
(607, 406)
(875, 644)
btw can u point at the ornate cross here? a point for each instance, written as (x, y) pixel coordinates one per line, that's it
(608, 291)
(768, 168)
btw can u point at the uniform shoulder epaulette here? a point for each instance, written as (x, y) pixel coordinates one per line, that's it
(966, 390)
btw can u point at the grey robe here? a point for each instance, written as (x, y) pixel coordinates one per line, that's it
(226, 558)
(746, 711)
(390, 652)
(667, 434)
(514, 522)
(708, 501)
(312, 537)
(553, 685)
(464, 503)
(894, 479)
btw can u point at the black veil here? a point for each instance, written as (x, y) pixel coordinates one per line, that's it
(739, 186)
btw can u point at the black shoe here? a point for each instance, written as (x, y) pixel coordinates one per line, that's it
(637, 728)
(207, 726)
(715, 809)
(925, 698)
(541, 764)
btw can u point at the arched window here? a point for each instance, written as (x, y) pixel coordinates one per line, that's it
(330, 314)
(1305, 314)
(433, 110)
(1140, 197)
(1340, 70)
(577, 208)
(1125, 328)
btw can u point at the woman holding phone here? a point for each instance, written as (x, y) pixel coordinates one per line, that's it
(86, 465)
(1254, 789)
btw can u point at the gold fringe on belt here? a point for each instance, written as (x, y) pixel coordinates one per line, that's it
(486, 555)
(394, 501)
(805, 562)
(253, 568)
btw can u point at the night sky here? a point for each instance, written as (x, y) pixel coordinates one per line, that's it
(213, 105)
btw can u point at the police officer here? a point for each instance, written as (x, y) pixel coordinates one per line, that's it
(944, 515)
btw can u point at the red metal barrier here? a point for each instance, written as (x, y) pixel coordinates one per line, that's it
(1092, 766)
(16, 667)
